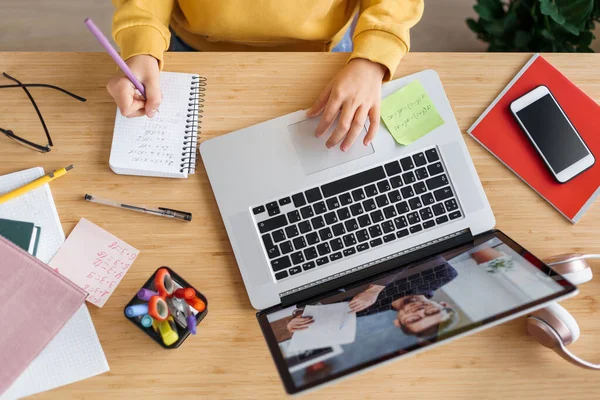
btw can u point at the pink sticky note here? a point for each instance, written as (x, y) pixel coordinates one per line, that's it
(95, 260)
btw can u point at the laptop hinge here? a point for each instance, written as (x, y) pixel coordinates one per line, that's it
(370, 269)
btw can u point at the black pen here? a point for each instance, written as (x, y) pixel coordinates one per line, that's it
(160, 211)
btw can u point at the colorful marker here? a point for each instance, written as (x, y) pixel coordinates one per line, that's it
(196, 303)
(164, 283)
(136, 310)
(157, 308)
(145, 294)
(146, 321)
(191, 320)
(168, 331)
(185, 293)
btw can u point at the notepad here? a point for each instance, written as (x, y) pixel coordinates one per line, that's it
(409, 113)
(166, 145)
(24, 234)
(36, 206)
(95, 260)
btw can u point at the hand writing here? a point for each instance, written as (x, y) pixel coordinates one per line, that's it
(130, 102)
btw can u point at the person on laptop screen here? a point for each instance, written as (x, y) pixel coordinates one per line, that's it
(145, 29)
(405, 295)
(393, 314)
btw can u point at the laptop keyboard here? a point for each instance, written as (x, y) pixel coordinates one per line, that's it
(327, 223)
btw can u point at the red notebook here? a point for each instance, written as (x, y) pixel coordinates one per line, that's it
(498, 131)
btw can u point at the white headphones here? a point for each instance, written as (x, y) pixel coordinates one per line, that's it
(553, 326)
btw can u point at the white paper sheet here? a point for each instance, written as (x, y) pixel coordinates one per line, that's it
(73, 354)
(36, 206)
(333, 325)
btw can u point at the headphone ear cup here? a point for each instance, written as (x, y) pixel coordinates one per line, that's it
(543, 333)
(579, 277)
(556, 318)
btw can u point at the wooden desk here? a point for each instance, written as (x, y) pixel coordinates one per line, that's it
(228, 358)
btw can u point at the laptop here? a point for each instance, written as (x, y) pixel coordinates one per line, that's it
(299, 216)
(356, 258)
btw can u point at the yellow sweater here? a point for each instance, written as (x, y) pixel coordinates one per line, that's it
(381, 35)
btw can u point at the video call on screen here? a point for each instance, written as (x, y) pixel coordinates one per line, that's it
(407, 309)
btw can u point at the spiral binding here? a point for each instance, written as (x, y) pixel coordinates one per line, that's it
(189, 155)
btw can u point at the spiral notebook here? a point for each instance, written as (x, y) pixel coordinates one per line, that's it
(163, 146)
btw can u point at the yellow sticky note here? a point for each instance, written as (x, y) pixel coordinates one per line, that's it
(409, 114)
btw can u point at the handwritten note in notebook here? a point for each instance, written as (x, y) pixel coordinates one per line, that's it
(163, 146)
(94, 260)
(409, 114)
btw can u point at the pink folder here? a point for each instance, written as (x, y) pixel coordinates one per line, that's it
(35, 302)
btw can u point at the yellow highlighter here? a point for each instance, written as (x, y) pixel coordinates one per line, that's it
(35, 184)
(167, 331)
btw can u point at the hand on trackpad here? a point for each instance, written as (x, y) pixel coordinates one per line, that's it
(312, 152)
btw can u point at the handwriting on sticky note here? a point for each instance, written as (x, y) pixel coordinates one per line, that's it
(94, 260)
(409, 113)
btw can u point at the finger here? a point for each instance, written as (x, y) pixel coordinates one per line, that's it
(358, 123)
(331, 111)
(153, 96)
(123, 93)
(343, 126)
(319, 104)
(374, 127)
(138, 113)
(135, 109)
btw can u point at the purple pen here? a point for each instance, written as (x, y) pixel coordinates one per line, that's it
(191, 320)
(115, 56)
(145, 294)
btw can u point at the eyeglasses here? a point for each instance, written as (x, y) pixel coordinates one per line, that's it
(11, 135)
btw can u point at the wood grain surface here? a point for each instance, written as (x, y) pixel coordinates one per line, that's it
(229, 359)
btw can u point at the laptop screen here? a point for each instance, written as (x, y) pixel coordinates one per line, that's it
(407, 309)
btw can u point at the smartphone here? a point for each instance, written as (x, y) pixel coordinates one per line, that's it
(552, 134)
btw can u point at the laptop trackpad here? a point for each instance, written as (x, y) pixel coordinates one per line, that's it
(313, 154)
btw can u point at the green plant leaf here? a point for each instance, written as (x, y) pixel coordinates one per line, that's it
(484, 12)
(570, 14)
(585, 50)
(549, 8)
(522, 39)
(510, 22)
(495, 6)
(547, 34)
(536, 25)
(489, 10)
(475, 26)
(585, 39)
(495, 28)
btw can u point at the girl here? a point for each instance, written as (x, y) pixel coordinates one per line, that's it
(145, 29)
